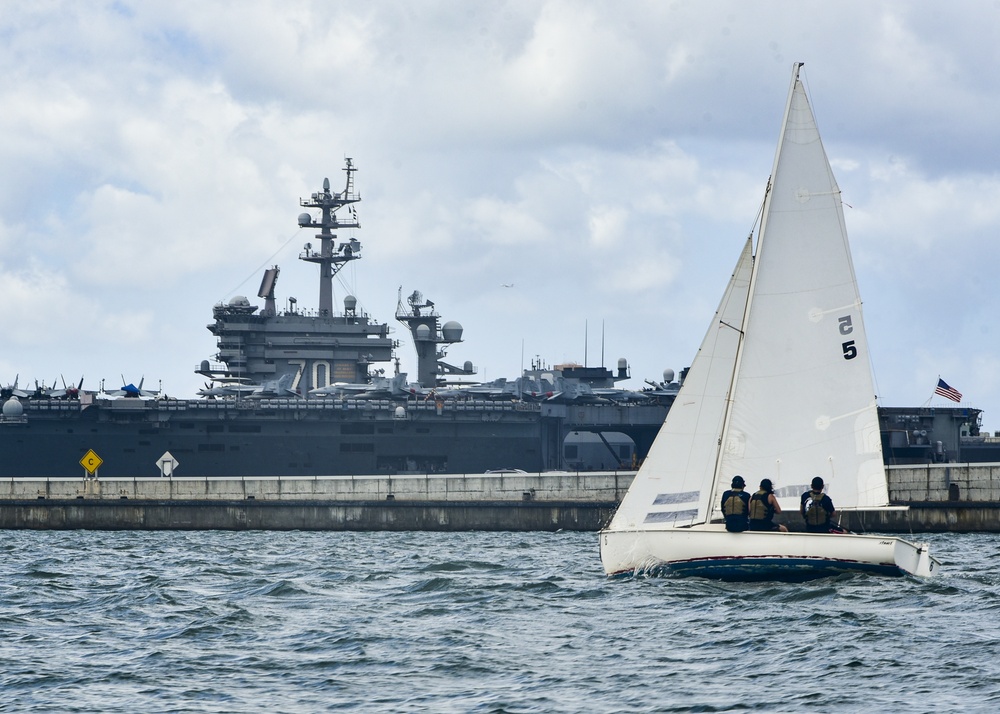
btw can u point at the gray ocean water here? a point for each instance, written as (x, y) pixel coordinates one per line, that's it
(472, 622)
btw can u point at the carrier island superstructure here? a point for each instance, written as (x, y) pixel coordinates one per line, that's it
(259, 346)
(298, 392)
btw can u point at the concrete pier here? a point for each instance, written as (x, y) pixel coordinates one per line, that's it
(940, 497)
(507, 501)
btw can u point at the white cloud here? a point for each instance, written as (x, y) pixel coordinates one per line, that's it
(43, 309)
(608, 160)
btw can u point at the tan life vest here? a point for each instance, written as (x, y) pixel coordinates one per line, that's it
(758, 506)
(816, 514)
(734, 505)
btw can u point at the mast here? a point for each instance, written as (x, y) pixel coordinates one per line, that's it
(761, 230)
(331, 257)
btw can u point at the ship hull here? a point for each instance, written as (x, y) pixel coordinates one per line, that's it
(711, 551)
(286, 438)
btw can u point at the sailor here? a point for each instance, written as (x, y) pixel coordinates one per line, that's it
(817, 510)
(736, 506)
(763, 506)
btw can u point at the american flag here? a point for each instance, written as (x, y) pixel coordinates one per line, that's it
(948, 392)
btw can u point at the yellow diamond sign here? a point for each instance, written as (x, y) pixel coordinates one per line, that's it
(91, 461)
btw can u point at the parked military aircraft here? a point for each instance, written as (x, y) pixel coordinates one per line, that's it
(12, 390)
(340, 389)
(227, 389)
(130, 391)
(273, 388)
(67, 391)
(497, 389)
(394, 387)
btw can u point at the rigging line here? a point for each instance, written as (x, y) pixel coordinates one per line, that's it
(352, 288)
(804, 79)
(351, 271)
(760, 209)
(875, 385)
(264, 264)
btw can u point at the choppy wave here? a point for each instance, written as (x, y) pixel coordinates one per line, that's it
(472, 622)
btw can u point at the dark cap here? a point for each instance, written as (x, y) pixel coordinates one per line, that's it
(765, 484)
(738, 482)
(817, 484)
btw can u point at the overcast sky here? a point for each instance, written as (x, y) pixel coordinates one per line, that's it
(606, 159)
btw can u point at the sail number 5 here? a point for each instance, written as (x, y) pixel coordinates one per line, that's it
(846, 328)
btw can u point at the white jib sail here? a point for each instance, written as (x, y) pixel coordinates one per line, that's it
(674, 485)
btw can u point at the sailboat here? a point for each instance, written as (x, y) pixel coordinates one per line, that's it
(781, 388)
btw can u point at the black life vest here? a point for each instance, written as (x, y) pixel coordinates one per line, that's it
(815, 512)
(734, 505)
(760, 506)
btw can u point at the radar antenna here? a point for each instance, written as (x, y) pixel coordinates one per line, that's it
(331, 256)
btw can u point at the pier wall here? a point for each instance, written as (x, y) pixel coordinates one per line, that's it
(962, 483)
(509, 501)
(304, 515)
(940, 497)
(585, 487)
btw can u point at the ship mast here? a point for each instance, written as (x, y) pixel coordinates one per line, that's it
(331, 257)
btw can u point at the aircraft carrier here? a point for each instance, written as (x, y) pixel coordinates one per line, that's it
(296, 392)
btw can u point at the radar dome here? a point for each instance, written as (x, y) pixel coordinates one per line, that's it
(12, 408)
(468, 366)
(668, 375)
(423, 332)
(452, 331)
(204, 366)
(304, 219)
(239, 301)
(350, 302)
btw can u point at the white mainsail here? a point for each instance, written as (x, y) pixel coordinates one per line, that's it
(781, 388)
(804, 400)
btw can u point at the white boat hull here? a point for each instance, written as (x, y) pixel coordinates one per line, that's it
(709, 550)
